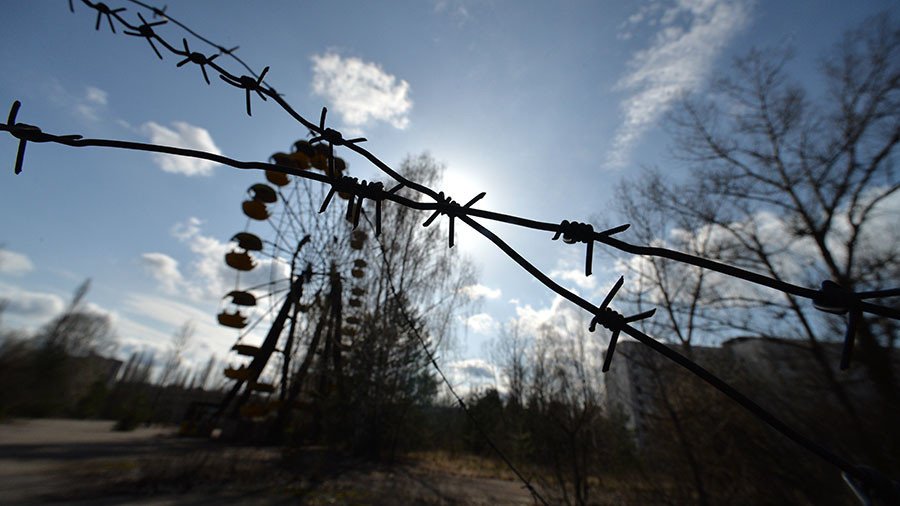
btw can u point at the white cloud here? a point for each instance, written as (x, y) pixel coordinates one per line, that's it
(576, 276)
(88, 105)
(95, 96)
(14, 263)
(361, 91)
(182, 135)
(29, 310)
(692, 34)
(133, 333)
(482, 323)
(207, 278)
(455, 8)
(29, 305)
(164, 269)
(164, 310)
(478, 291)
(471, 374)
(561, 318)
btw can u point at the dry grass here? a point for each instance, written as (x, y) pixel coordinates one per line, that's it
(464, 465)
(305, 476)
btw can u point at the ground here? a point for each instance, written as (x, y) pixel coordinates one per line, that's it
(85, 462)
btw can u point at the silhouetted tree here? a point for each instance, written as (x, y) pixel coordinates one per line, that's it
(78, 330)
(800, 186)
(415, 288)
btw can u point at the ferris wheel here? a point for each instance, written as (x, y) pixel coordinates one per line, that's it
(299, 277)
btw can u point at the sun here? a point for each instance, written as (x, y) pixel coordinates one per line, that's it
(462, 181)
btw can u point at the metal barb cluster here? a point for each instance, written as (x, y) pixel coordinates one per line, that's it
(573, 232)
(198, 59)
(836, 299)
(359, 191)
(614, 321)
(330, 135)
(451, 208)
(103, 10)
(146, 30)
(248, 84)
(25, 133)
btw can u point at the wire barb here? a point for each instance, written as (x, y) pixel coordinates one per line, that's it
(614, 321)
(229, 52)
(833, 298)
(104, 10)
(330, 135)
(451, 208)
(146, 30)
(359, 191)
(25, 133)
(196, 58)
(573, 232)
(159, 13)
(248, 84)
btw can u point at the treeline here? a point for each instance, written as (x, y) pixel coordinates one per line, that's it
(66, 369)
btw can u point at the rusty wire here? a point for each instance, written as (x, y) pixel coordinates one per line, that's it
(830, 297)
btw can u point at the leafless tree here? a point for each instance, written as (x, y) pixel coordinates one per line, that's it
(414, 280)
(510, 353)
(181, 339)
(799, 185)
(78, 330)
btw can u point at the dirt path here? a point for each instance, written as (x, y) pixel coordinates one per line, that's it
(85, 462)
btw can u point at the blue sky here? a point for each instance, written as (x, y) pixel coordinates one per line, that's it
(543, 105)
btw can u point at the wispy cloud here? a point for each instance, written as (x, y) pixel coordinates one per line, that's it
(455, 8)
(472, 374)
(207, 278)
(576, 276)
(91, 104)
(182, 135)
(482, 323)
(360, 91)
(95, 95)
(164, 270)
(31, 306)
(88, 105)
(14, 263)
(691, 35)
(165, 312)
(478, 291)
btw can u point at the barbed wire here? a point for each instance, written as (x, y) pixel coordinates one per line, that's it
(830, 297)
